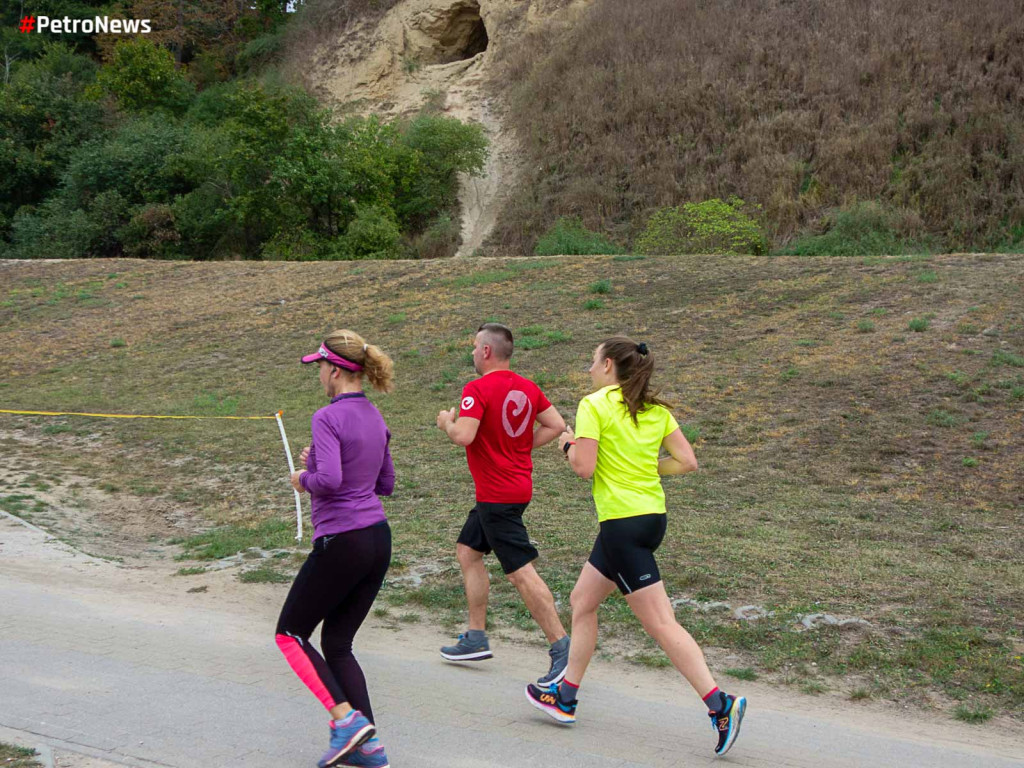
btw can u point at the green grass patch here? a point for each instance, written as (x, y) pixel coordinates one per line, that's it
(190, 571)
(601, 286)
(918, 325)
(1002, 357)
(865, 326)
(538, 337)
(264, 574)
(943, 418)
(591, 304)
(231, 539)
(813, 687)
(16, 503)
(742, 673)
(18, 757)
(514, 269)
(57, 429)
(653, 659)
(972, 714)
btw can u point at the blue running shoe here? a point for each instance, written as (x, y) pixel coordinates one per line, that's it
(346, 734)
(559, 654)
(727, 722)
(465, 649)
(367, 756)
(548, 701)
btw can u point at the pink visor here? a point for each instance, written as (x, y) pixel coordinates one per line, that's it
(325, 354)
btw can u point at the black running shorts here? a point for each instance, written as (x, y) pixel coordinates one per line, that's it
(624, 551)
(499, 528)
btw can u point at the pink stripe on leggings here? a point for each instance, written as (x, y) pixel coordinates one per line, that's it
(303, 667)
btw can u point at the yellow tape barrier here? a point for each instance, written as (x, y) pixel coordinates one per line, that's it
(131, 416)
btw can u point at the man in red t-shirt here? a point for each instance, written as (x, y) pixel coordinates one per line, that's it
(495, 424)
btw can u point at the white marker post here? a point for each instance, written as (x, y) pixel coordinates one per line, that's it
(291, 470)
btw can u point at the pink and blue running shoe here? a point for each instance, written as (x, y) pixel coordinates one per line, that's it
(369, 755)
(347, 734)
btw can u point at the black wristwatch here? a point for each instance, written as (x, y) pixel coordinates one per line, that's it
(565, 448)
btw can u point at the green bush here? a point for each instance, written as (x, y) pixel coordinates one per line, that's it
(568, 236)
(713, 226)
(151, 233)
(372, 234)
(442, 148)
(55, 231)
(141, 76)
(44, 119)
(439, 240)
(260, 52)
(295, 245)
(865, 229)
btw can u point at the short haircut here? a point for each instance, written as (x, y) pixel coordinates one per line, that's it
(499, 338)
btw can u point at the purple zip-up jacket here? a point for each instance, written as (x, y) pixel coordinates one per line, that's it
(349, 466)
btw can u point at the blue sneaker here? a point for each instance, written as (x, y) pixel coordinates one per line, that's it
(465, 649)
(727, 722)
(559, 654)
(550, 703)
(367, 756)
(346, 734)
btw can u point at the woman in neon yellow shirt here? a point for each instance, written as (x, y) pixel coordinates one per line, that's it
(620, 430)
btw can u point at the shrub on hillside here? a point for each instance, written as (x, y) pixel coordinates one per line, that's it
(151, 233)
(372, 234)
(865, 229)
(713, 226)
(260, 52)
(44, 120)
(568, 236)
(142, 76)
(439, 240)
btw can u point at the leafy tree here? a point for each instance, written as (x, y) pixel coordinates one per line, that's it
(445, 147)
(43, 120)
(142, 77)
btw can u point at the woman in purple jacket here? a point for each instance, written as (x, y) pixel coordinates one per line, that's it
(348, 469)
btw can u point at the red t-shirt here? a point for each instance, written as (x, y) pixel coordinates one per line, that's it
(499, 457)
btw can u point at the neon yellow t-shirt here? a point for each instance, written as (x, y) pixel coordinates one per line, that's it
(626, 481)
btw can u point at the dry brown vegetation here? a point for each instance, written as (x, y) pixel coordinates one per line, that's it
(796, 105)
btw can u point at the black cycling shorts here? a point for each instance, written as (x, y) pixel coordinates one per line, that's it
(499, 528)
(624, 551)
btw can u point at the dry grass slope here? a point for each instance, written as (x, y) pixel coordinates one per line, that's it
(796, 106)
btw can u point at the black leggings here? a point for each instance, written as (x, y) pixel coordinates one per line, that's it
(336, 585)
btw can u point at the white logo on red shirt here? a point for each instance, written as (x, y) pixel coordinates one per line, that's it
(520, 403)
(467, 403)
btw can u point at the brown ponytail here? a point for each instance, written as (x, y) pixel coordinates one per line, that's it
(634, 365)
(377, 366)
